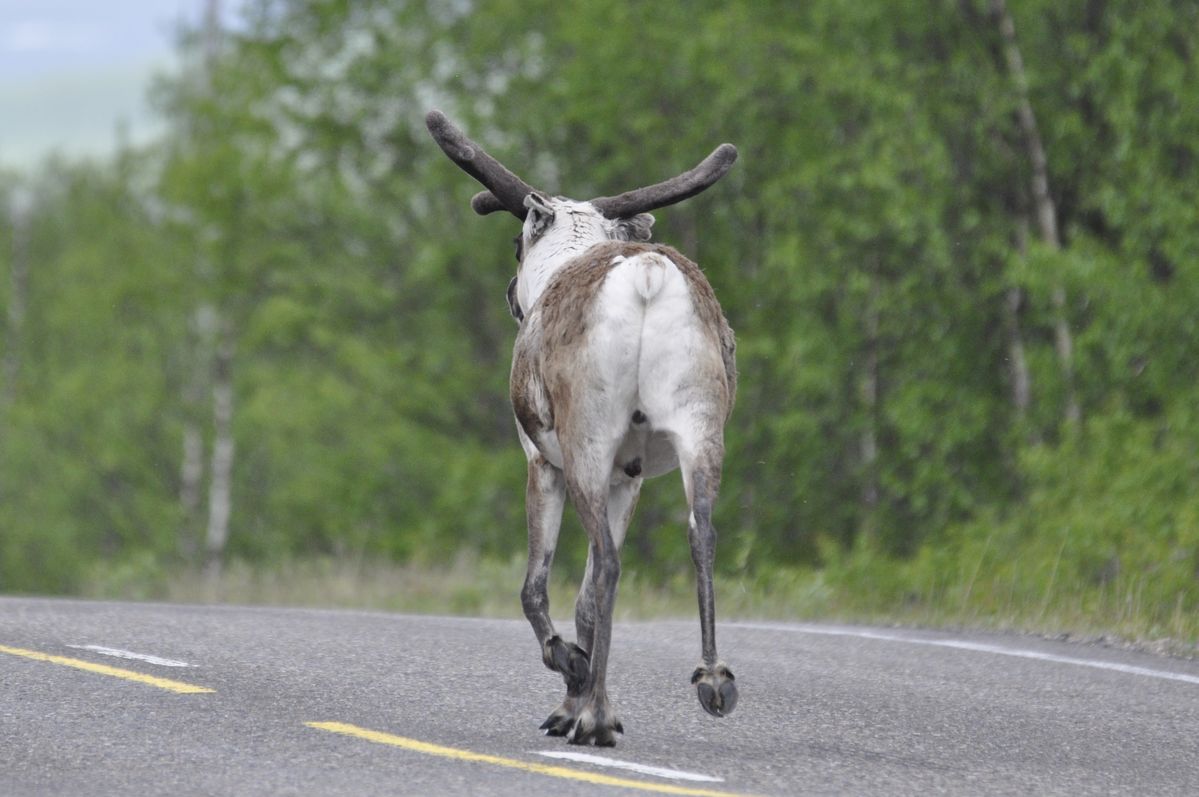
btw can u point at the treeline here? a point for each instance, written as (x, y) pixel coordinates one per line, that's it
(960, 250)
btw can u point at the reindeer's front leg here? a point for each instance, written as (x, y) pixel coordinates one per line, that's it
(545, 497)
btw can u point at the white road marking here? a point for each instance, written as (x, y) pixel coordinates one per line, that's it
(128, 654)
(978, 647)
(642, 769)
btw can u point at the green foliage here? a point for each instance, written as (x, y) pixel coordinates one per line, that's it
(1106, 540)
(865, 248)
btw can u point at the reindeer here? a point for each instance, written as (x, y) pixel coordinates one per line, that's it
(623, 369)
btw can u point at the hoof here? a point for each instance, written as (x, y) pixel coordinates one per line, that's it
(558, 723)
(569, 659)
(715, 689)
(595, 725)
(563, 719)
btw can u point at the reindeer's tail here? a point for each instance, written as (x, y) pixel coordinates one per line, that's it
(652, 275)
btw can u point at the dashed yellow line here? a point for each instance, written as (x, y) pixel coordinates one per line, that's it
(103, 669)
(527, 766)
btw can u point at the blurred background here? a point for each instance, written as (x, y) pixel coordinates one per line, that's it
(254, 343)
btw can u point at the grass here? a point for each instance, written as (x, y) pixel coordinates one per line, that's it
(487, 588)
(467, 586)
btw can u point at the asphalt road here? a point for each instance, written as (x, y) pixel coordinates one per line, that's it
(356, 703)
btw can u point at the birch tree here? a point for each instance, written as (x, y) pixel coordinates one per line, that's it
(1045, 212)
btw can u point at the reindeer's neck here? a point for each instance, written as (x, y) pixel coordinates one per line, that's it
(536, 273)
(559, 246)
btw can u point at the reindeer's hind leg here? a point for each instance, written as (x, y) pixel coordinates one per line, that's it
(594, 720)
(545, 496)
(622, 500)
(713, 680)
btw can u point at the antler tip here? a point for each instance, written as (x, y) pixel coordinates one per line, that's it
(441, 127)
(449, 137)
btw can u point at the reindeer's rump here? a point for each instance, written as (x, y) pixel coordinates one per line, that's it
(627, 347)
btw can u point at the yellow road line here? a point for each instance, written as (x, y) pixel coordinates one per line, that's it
(104, 669)
(528, 766)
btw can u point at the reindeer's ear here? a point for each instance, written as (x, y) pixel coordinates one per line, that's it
(514, 303)
(637, 228)
(540, 217)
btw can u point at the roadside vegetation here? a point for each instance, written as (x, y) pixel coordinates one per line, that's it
(264, 359)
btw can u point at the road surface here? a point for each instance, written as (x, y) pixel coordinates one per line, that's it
(141, 699)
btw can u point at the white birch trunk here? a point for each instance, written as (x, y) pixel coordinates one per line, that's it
(1046, 213)
(191, 478)
(1021, 381)
(220, 488)
(1013, 300)
(216, 349)
(191, 468)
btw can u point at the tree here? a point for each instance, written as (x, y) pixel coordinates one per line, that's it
(1043, 204)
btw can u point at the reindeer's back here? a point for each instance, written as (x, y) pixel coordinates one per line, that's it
(568, 302)
(623, 328)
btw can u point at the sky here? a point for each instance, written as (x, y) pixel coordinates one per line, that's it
(72, 71)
